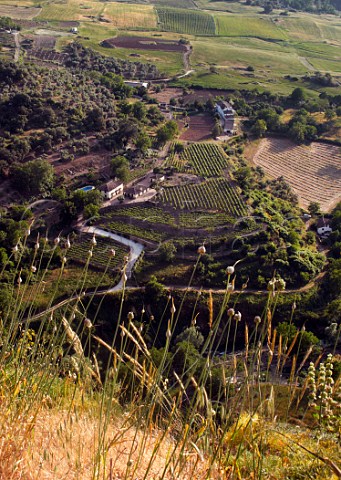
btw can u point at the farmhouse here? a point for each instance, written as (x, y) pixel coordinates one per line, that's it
(136, 83)
(74, 30)
(111, 189)
(226, 113)
(136, 191)
(324, 228)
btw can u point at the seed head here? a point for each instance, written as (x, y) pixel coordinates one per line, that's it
(90, 253)
(67, 243)
(173, 309)
(93, 241)
(238, 316)
(230, 312)
(230, 270)
(87, 323)
(130, 316)
(64, 260)
(56, 241)
(112, 252)
(257, 319)
(15, 249)
(202, 250)
(33, 269)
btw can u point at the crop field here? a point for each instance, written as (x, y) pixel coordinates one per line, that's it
(199, 128)
(205, 159)
(129, 16)
(148, 214)
(242, 26)
(203, 219)
(215, 194)
(175, 3)
(312, 28)
(313, 172)
(72, 10)
(18, 13)
(185, 21)
(145, 43)
(127, 229)
(101, 257)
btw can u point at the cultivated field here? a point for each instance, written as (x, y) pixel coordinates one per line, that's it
(144, 43)
(128, 16)
(101, 257)
(186, 21)
(175, 3)
(199, 128)
(205, 159)
(313, 172)
(242, 26)
(17, 13)
(71, 10)
(215, 194)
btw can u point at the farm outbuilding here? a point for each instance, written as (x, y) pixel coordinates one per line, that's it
(136, 191)
(323, 226)
(227, 114)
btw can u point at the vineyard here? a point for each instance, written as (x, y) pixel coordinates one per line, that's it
(175, 3)
(101, 257)
(206, 159)
(185, 21)
(150, 214)
(312, 171)
(128, 229)
(213, 194)
(203, 219)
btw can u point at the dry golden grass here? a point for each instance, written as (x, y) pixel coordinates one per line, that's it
(123, 15)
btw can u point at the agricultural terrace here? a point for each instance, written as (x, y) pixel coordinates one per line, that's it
(242, 26)
(215, 194)
(127, 228)
(168, 217)
(17, 13)
(205, 159)
(313, 171)
(190, 22)
(101, 257)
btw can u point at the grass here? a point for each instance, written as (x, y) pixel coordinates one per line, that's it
(19, 12)
(71, 10)
(82, 398)
(127, 16)
(242, 26)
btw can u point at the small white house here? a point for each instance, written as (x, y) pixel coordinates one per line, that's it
(226, 113)
(323, 227)
(136, 83)
(111, 189)
(74, 30)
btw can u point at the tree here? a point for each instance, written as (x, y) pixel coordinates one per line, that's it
(298, 96)
(120, 168)
(143, 142)
(191, 335)
(314, 208)
(259, 128)
(167, 251)
(167, 132)
(217, 130)
(34, 177)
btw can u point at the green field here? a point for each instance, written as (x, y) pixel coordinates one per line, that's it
(175, 3)
(71, 10)
(184, 21)
(242, 26)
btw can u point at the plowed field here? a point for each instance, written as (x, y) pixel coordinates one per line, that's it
(313, 171)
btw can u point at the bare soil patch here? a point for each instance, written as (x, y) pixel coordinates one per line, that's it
(44, 42)
(199, 128)
(313, 171)
(144, 43)
(166, 94)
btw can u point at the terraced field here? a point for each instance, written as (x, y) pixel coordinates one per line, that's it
(233, 26)
(313, 172)
(185, 21)
(19, 13)
(215, 194)
(206, 159)
(101, 257)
